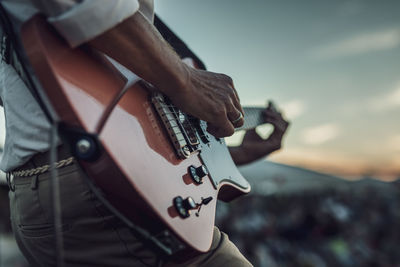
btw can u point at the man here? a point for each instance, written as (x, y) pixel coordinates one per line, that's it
(93, 236)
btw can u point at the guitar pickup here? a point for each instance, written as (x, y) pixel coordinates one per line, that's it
(184, 141)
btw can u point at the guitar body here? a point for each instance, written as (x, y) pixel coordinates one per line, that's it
(136, 165)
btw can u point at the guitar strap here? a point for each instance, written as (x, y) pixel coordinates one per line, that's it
(12, 53)
(177, 44)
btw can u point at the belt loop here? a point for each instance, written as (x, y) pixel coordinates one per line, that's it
(9, 182)
(34, 182)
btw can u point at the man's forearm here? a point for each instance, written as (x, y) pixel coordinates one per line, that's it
(244, 155)
(137, 45)
(256, 148)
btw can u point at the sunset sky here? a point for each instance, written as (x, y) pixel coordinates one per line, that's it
(332, 66)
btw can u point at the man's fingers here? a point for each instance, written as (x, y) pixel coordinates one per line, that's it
(221, 129)
(222, 125)
(235, 111)
(235, 117)
(236, 101)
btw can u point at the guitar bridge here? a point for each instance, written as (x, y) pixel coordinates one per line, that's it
(177, 124)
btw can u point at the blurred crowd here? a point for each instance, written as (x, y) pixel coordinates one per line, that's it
(330, 228)
(356, 227)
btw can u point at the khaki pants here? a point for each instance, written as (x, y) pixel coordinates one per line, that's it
(92, 235)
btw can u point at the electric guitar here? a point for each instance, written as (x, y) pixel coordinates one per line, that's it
(157, 165)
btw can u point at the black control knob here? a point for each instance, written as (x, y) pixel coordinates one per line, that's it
(189, 203)
(183, 206)
(198, 173)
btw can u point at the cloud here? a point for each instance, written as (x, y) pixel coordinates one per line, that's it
(393, 142)
(359, 44)
(386, 101)
(293, 109)
(351, 8)
(328, 161)
(320, 134)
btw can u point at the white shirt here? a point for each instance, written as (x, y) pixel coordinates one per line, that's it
(27, 130)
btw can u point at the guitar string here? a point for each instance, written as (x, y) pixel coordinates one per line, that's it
(249, 115)
(250, 111)
(252, 118)
(188, 128)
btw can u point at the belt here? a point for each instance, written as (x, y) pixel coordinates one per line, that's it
(40, 163)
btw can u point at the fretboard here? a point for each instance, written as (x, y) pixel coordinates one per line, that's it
(253, 116)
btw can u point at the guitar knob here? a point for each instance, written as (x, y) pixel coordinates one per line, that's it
(198, 173)
(183, 206)
(189, 203)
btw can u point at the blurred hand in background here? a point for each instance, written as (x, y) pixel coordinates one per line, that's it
(253, 146)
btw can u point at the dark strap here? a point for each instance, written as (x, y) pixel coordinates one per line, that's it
(177, 44)
(10, 45)
(13, 54)
(5, 40)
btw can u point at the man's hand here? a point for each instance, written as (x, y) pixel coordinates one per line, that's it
(211, 97)
(253, 147)
(137, 45)
(274, 116)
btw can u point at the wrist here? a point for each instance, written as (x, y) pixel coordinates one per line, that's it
(175, 80)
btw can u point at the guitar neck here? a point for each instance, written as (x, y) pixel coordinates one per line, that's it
(253, 117)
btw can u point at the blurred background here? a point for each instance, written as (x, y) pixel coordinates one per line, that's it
(331, 196)
(332, 66)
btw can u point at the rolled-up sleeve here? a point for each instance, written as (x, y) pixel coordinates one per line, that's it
(91, 18)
